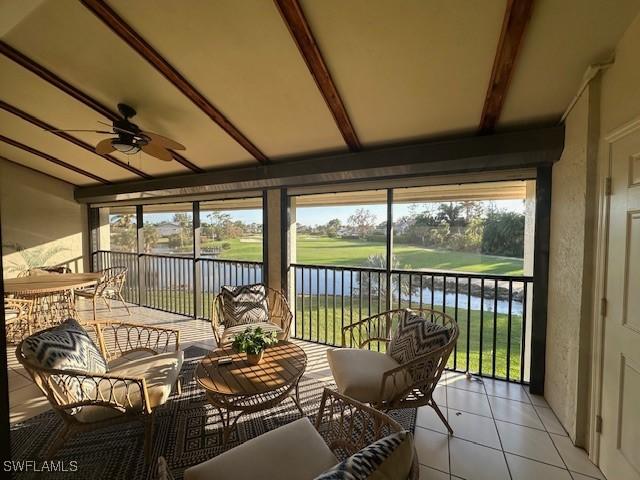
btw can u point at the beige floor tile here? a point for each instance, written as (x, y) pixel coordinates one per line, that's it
(525, 469)
(537, 400)
(427, 418)
(550, 421)
(18, 379)
(460, 380)
(515, 412)
(27, 402)
(471, 402)
(579, 476)
(474, 428)
(440, 396)
(476, 462)
(575, 458)
(432, 448)
(428, 473)
(512, 391)
(528, 442)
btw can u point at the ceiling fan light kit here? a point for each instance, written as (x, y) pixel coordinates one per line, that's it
(130, 139)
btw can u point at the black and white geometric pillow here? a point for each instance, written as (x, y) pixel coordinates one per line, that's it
(65, 347)
(244, 305)
(362, 464)
(415, 336)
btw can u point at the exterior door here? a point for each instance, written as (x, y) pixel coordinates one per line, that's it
(620, 439)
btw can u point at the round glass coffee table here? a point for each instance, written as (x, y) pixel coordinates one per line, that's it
(238, 387)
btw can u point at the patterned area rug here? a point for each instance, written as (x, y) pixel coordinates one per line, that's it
(187, 432)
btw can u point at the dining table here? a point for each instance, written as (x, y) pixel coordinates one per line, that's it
(52, 295)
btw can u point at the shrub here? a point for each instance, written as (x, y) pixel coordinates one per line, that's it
(226, 246)
(503, 234)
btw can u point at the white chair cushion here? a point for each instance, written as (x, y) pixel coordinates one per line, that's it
(295, 451)
(160, 373)
(358, 374)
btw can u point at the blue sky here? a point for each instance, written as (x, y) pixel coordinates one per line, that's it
(321, 215)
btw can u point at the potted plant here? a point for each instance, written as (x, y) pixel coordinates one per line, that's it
(253, 342)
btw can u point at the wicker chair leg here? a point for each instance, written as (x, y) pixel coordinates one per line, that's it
(58, 442)
(125, 304)
(107, 303)
(148, 437)
(178, 387)
(434, 405)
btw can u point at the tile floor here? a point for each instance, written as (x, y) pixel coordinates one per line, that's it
(500, 431)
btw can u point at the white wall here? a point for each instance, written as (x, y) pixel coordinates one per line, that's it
(39, 214)
(610, 101)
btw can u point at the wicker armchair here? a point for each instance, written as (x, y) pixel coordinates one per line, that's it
(375, 378)
(280, 317)
(18, 318)
(130, 390)
(108, 288)
(343, 427)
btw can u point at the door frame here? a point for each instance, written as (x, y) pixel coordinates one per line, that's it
(600, 278)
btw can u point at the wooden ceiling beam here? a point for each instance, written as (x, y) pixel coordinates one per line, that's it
(53, 79)
(295, 20)
(514, 23)
(121, 28)
(76, 141)
(52, 159)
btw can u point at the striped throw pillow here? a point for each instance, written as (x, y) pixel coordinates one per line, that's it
(244, 305)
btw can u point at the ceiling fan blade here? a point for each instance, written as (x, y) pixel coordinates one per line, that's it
(164, 141)
(118, 128)
(158, 152)
(104, 146)
(94, 131)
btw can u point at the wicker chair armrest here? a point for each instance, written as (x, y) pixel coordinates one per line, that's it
(423, 373)
(119, 338)
(376, 328)
(68, 390)
(24, 306)
(347, 426)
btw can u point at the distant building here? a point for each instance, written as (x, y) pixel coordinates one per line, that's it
(166, 229)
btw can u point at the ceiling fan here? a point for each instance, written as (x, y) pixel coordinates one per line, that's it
(130, 139)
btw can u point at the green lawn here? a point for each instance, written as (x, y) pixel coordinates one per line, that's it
(341, 252)
(324, 325)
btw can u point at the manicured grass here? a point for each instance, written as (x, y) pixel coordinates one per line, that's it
(325, 326)
(342, 252)
(250, 249)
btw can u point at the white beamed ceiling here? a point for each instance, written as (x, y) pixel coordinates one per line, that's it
(407, 70)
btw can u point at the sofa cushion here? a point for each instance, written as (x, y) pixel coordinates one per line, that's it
(244, 305)
(389, 458)
(160, 373)
(295, 451)
(358, 374)
(415, 336)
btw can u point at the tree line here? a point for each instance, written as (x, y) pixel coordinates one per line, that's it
(460, 226)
